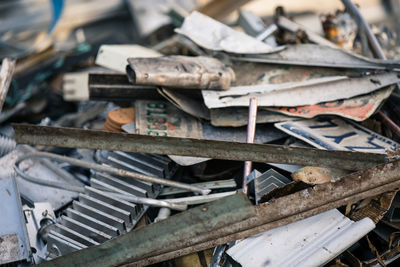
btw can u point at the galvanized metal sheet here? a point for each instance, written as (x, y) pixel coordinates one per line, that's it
(310, 242)
(337, 134)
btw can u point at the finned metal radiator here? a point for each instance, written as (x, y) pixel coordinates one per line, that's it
(96, 216)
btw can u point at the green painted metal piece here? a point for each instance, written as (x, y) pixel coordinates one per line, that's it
(159, 236)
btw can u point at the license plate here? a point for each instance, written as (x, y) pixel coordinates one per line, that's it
(337, 134)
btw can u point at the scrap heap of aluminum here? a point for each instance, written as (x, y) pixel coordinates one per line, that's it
(97, 217)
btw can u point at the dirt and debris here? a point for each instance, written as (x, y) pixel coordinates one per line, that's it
(200, 133)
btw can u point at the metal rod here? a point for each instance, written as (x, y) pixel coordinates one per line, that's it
(112, 170)
(251, 131)
(355, 12)
(149, 201)
(194, 200)
(91, 139)
(267, 32)
(376, 50)
(389, 123)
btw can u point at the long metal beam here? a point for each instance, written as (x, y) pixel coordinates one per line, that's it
(92, 139)
(230, 219)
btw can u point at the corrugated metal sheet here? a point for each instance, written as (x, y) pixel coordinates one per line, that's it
(309, 242)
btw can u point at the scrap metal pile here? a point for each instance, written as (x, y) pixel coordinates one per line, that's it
(167, 133)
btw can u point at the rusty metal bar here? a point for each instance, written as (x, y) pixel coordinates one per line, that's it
(251, 131)
(147, 245)
(91, 139)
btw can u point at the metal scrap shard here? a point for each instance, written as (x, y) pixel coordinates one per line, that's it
(6, 72)
(181, 72)
(308, 92)
(214, 35)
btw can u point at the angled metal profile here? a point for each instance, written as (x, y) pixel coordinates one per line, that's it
(78, 138)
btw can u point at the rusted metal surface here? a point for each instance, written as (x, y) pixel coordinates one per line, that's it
(232, 218)
(78, 138)
(181, 72)
(317, 175)
(6, 73)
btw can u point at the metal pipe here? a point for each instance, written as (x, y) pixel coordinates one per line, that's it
(251, 131)
(376, 50)
(112, 170)
(194, 200)
(355, 12)
(389, 123)
(149, 201)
